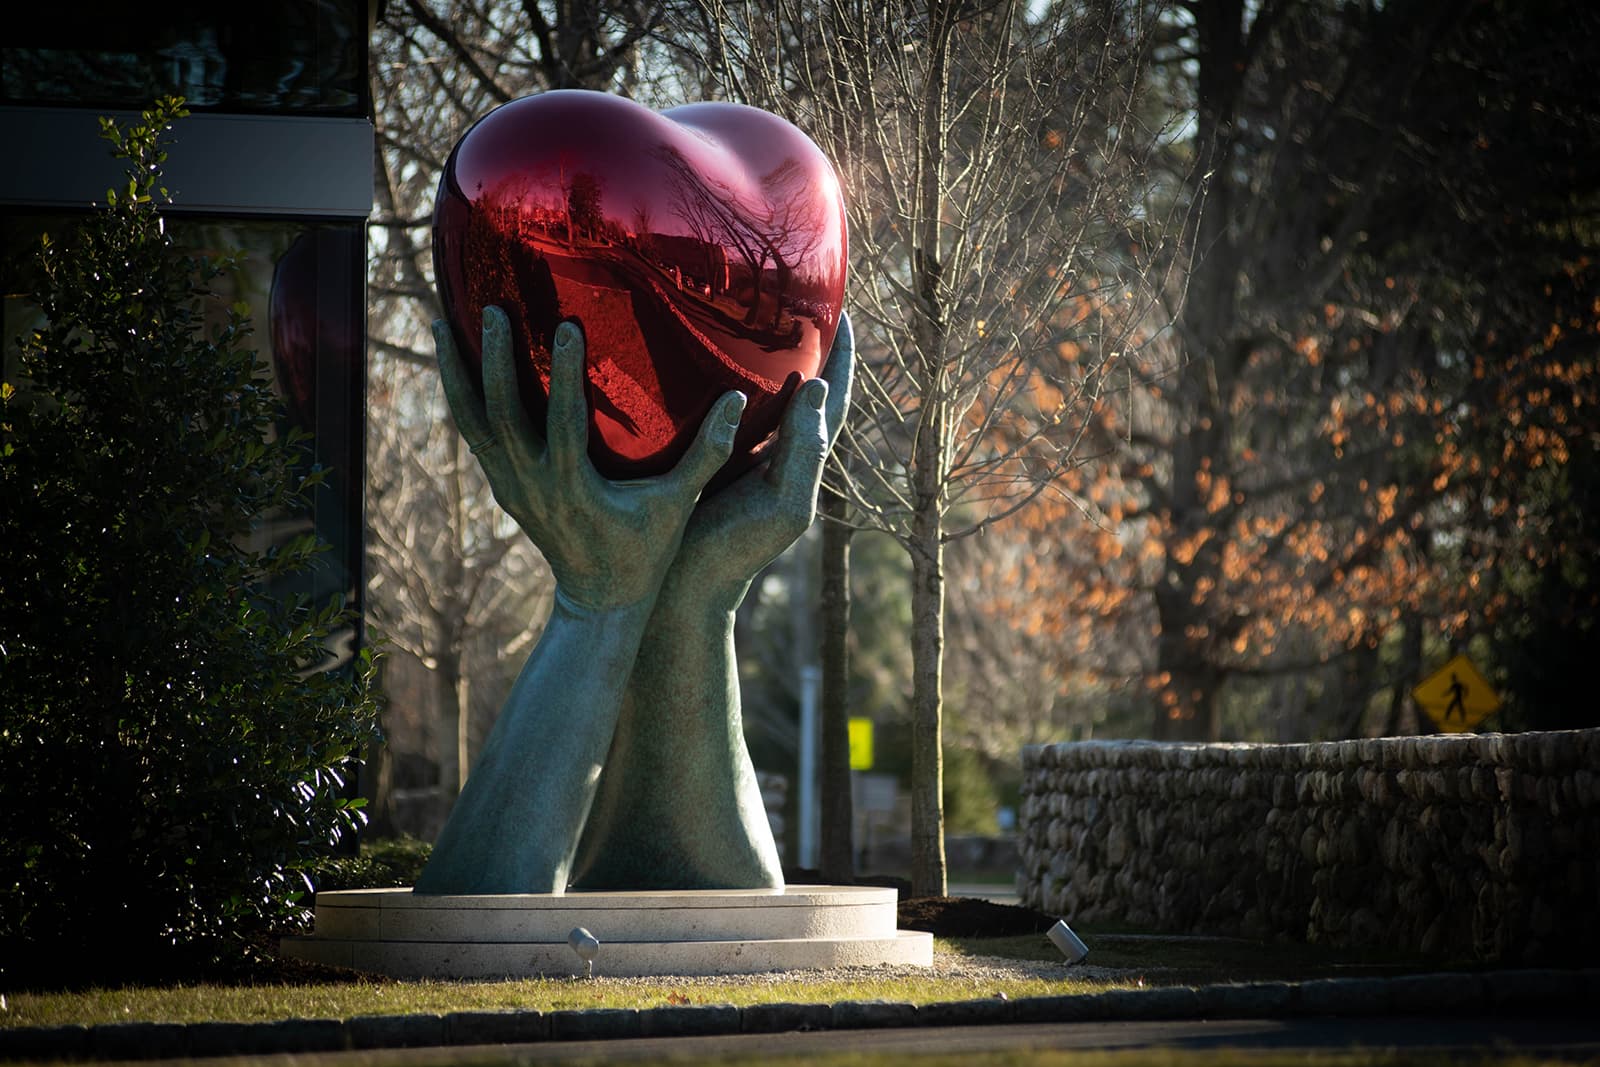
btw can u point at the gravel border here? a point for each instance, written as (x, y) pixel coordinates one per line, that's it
(1497, 993)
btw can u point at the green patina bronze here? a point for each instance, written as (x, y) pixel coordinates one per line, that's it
(618, 761)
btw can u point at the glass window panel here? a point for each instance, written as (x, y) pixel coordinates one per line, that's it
(304, 285)
(291, 56)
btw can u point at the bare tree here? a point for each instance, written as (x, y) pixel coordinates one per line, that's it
(444, 567)
(444, 563)
(994, 159)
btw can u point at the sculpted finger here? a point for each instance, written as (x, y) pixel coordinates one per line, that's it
(839, 373)
(567, 428)
(712, 445)
(460, 392)
(802, 446)
(501, 397)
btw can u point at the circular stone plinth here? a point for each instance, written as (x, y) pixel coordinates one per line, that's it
(691, 932)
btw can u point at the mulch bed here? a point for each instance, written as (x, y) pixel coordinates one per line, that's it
(947, 916)
(971, 917)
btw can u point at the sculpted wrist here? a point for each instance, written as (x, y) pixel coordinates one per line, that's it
(690, 596)
(580, 609)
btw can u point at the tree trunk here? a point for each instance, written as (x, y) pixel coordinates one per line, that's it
(1189, 711)
(1207, 327)
(928, 474)
(927, 700)
(838, 812)
(1408, 672)
(376, 778)
(1349, 710)
(447, 694)
(449, 674)
(463, 726)
(927, 654)
(1185, 704)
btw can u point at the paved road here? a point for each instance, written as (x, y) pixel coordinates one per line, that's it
(1440, 1034)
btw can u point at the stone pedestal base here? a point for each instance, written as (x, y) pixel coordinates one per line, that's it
(690, 932)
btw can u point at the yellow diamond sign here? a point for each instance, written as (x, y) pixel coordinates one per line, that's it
(1456, 696)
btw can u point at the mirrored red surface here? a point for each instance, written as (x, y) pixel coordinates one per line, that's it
(701, 250)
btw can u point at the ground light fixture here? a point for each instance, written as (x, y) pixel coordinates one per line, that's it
(1070, 944)
(587, 946)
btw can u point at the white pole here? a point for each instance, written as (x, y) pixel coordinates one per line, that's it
(810, 821)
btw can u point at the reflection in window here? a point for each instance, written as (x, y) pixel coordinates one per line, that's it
(299, 56)
(303, 285)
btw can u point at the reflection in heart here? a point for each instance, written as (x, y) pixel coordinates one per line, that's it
(701, 248)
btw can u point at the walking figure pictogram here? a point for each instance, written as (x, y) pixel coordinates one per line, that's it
(1458, 698)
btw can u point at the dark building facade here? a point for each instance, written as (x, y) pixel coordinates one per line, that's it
(274, 167)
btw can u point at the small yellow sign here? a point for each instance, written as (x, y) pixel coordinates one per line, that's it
(860, 744)
(1456, 696)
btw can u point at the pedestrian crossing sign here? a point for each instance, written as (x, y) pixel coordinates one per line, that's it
(1456, 697)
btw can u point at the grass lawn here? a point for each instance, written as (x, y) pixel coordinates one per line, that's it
(1121, 961)
(965, 969)
(335, 1000)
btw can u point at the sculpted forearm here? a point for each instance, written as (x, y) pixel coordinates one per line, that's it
(679, 806)
(515, 825)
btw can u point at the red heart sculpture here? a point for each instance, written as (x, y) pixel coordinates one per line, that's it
(702, 249)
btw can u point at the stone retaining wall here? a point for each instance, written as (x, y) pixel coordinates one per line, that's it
(1461, 846)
